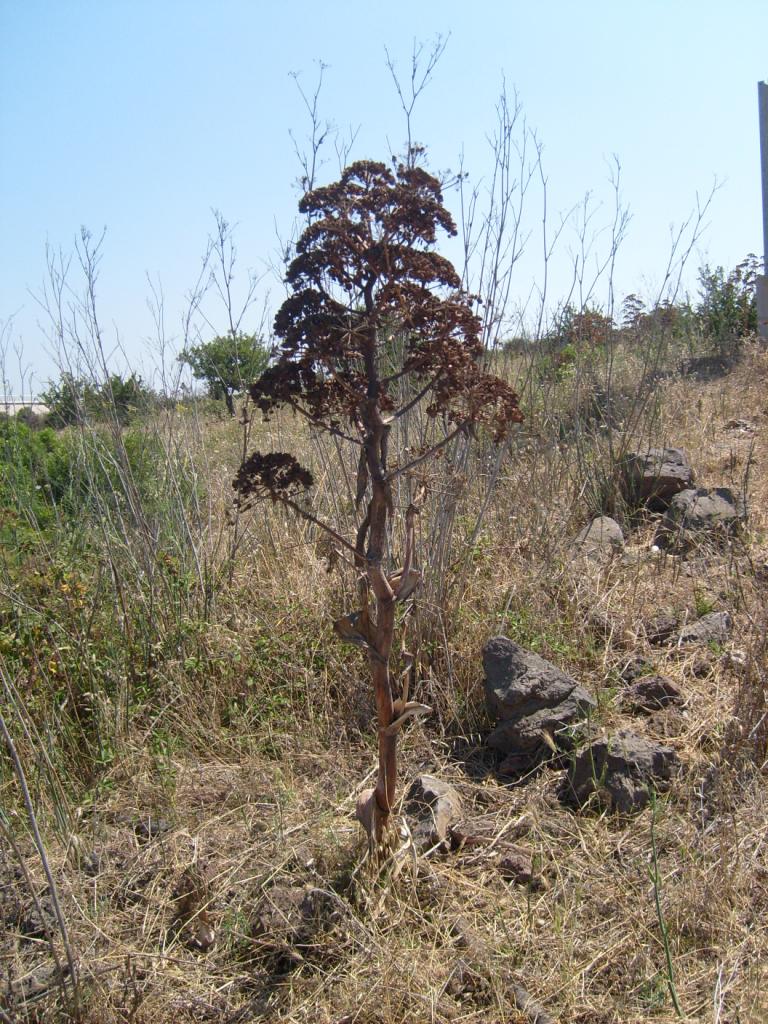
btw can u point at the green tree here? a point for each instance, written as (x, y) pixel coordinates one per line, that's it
(227, 364)
(124, 397)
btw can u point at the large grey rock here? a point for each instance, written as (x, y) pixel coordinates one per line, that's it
(711, 514)
(712, 628)
(654, 476)
(620, 770)
(532, 700)
(432, 806)
(602, 538)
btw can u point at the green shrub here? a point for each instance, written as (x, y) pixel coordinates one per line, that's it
(74, 400)
(69, 400)
(35, 476)
(585, 329)
(73, 477)
(34, 420)
(728, 308)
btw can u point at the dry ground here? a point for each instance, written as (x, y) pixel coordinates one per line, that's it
(264, 801)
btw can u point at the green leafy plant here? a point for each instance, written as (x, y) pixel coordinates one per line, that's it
(124, 397)
(35, 474)
(75, 400)
(703, 601)
(727, 309)
(69, 400)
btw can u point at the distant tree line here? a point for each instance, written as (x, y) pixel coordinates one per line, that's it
(227, 365)
(723, 314)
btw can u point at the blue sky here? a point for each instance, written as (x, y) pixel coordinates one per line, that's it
(143, 117)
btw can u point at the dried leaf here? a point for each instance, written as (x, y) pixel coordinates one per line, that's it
(350, 629)
(409, 711)
(403, 588)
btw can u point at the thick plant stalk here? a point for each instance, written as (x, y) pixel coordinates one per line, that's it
(376, 805)
(378, 513)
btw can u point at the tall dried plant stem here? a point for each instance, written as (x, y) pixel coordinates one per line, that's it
(60, 920)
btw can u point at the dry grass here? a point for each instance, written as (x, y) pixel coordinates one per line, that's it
(253, 774)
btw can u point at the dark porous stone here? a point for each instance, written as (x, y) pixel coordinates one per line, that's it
(694, 516)
(515, 865)
(533, 701)
(661, 628)
(151, 828)
(702, 668)
(712, 628)
(654, 476)
(620, 771)
(633, 669)
(431, 806)
(600, 539)
(651, 693)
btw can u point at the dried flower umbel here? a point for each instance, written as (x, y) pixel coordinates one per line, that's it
(365, 267)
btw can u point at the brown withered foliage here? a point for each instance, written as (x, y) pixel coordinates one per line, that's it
(366, 269)
(274, 475)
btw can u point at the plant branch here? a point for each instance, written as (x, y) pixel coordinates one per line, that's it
(393, 474)
(310, 518)
(417, 397)
(52, 889)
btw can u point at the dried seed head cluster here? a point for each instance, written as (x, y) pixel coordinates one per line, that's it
(274, 475)
(365, 267)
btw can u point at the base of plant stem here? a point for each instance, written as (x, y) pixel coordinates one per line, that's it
(370, 816)
(376, 824)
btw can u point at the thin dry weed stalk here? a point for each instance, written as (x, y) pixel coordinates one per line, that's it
(62, 977)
